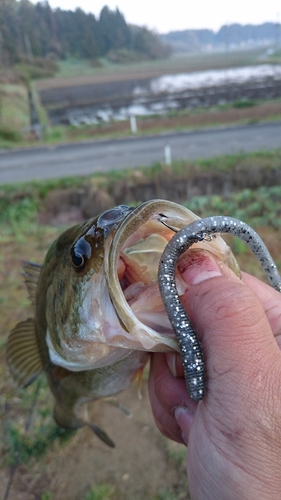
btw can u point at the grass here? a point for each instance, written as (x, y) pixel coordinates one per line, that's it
(261, 207)
(76, 67)
(21, 444)
(177, 63)
(14, 113)
(100, 492)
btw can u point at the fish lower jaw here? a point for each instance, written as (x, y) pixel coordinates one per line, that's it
(102, 355)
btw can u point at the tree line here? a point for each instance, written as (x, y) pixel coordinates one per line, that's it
(228, 35)
(28, 30)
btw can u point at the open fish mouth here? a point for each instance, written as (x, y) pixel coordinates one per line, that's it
(119, 308)
(131, 269)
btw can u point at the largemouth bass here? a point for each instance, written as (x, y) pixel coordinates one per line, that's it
(97, 307)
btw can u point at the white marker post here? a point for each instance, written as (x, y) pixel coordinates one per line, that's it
(168, 155)
(133, 122)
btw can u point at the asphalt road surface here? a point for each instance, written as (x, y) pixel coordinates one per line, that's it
(105, 155)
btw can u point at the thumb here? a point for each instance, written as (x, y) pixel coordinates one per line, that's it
(239, 348)
(234, 439)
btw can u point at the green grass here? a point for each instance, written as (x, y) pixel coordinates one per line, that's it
(14, 108)
(100, 492)
(21, 444)
(47, 495)
(261, 207)
(244, 103)
(76, 67)
(274, 58)
(176, 63)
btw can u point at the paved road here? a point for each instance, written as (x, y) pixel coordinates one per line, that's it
(106, 155)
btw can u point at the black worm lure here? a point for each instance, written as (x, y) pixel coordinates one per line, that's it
(190, 347)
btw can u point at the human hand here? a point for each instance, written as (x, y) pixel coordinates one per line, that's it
(234, 433)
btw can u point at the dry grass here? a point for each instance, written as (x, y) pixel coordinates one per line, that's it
(71, 71)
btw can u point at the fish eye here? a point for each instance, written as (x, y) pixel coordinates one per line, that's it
(78, 261)
(80, 254)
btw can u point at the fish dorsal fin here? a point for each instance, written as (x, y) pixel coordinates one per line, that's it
(31, 275)
(22, 353)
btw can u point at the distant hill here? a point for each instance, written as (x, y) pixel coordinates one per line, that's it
(230, 36)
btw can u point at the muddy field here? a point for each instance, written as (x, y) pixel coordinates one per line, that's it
(264, 111)
(89, 100)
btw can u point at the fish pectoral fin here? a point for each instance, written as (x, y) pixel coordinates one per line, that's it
(101, 434)
(22, 353)
(31, 275)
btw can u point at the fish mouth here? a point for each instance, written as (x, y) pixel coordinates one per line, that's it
(120, 309)
(131, 270)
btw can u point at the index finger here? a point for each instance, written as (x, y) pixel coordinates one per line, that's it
(271, 302)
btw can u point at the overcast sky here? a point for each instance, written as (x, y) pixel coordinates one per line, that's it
(168, 15)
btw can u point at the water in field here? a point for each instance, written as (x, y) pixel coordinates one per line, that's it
(185, 81)
(178, 91)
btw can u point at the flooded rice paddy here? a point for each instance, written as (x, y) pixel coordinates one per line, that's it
(118, 100)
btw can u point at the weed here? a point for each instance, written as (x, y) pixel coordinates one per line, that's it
(238, 247)
(46, 496)
(20, 444)
(261, 207)
(177, 454)
(23, 446)
(244, 103)
(165, 494)
(100, 492)
(9, 135)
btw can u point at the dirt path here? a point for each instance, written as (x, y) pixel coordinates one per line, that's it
(142, 465)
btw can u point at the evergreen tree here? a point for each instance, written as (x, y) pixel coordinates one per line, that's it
(29, 31)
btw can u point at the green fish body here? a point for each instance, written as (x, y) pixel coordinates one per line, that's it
(97, 307)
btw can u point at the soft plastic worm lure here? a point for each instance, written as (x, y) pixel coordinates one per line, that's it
(190, 347)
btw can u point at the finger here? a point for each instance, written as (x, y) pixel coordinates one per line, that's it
(174, 362)
(271, 301)
(167, 393)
